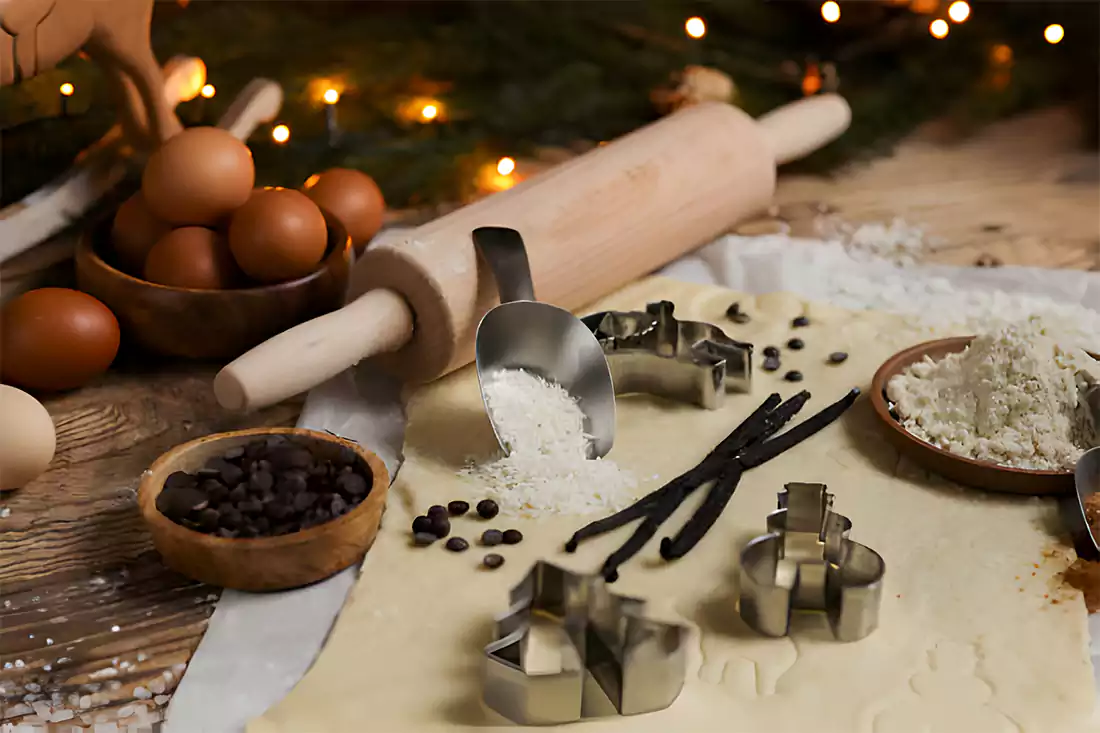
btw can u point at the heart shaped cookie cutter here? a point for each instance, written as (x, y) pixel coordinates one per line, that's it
(807, 563)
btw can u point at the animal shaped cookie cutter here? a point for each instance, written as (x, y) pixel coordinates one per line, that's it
(651, 351)
(807, 563)
(568, 649)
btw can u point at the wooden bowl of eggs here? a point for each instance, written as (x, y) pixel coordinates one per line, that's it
(201, 264)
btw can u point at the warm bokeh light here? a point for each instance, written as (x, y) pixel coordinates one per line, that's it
(505, 166)
(67, 89)
(695, 27)
(429, 112)
(280, 134)
(311, 181)
(1054, 33)
(830, 11)
(958, 11)
(1001, 54)
(811, 82)
(208, 91)
(331, 96)
(939, 28)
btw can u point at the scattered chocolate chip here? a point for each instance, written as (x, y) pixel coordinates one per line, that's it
(492, 561)
(457, 544)
(796, 344)
(423, 539)
(421, 524)
(437, 511)
(987, 260)
(771, 363)
(793, 376)
(800, 322)
(458, 508)
(735, 314)
(771, 351)
(492, 537)
(512, 536)
(441, 526)
(838, 357)
(487, 509)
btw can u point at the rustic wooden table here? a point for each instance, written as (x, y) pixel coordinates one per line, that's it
(92, 620)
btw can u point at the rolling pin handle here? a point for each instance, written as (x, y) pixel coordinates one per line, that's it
(507, 257)
(315, 351)
(799, 128)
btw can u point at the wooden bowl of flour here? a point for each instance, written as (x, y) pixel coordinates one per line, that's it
(965, 471)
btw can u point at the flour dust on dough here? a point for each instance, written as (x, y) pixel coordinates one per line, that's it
(969, 639)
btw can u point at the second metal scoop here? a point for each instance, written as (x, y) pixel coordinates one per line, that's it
(542, 339)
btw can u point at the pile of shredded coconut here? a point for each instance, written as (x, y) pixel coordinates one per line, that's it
(546, 470)
(1010, 398)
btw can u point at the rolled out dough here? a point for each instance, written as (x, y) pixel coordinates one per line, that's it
(976, 635)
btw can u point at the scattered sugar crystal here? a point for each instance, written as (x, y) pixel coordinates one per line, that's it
(127, 710)
(33, 687)
(74, 700)
(49, 641)
(7, 604)
(116, 628)
(19, 664)
(84, 702)
(62, 715)
(141, 657)
(142, 694)
(7, 665)
(30, 697)
(161, 699)
(114, 685)
(104, 673)
(42, 708)
(30, 636)
(48, 668)
(177, 669)
(19, 709)
(5, 513)
(158, 686)
(62, 660)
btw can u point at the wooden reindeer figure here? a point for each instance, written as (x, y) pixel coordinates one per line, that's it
(36, 35)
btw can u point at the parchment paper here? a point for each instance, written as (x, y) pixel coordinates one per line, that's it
(258, 646)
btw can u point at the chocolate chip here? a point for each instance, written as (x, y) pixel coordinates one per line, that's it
(487, 509)
(421, 524)
(793, 376)
(800, 322)
(796, 344)
(238, 493)
(291, 483)
(771, 351)
(345, 457)
(233, 453)
(512, 537)
(208, 519)
(215, 490)
(230, 474)
(437, 511)
(277, 510)
(838, 357)
(457, 544)
(179, 479)
(338, 506)
(492, 537)
(178, 502)
(251, 506)
(304, 500)
(352, 484)
(226, 533)
(492, 561)
(441, 526)
(458, 508)
(260, 481)
(771, 364)
(423, 539)
(229, 516)
(735, 314)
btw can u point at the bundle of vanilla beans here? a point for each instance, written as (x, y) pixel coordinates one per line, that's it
(750, 444)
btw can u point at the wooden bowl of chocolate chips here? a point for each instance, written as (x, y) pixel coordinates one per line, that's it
(264, 509)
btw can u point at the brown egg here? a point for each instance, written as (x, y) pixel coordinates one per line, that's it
(55, 339)
(134, 232)
(278, 235)
(192, 257)
(353, 198)
(198, 177)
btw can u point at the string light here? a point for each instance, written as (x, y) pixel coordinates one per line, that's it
(1001, 54)
(280, 134)
(331, 96)
(695, 27)
(939, 28)
(67, 89)
(207, 91)
(429, 112)
(505, 166)
(958, 11)
(830, 11)
(1054, 33)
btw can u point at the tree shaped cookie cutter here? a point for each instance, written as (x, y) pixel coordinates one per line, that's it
(568, 649)
(653, 352)
(807, 563)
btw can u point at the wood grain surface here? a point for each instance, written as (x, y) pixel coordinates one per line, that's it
(75, 560)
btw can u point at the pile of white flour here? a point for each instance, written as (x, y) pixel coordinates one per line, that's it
(546, 470)
(1010, 398)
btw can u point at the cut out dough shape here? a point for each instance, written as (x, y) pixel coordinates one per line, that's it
(967, 641)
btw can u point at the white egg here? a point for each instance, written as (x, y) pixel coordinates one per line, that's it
(27, 438)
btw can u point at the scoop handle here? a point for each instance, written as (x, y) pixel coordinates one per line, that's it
(799, 128)
(315, 351)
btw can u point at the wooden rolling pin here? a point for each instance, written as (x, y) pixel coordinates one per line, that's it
(591, 225)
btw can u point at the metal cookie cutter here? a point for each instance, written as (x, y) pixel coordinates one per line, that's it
(655, 353)
(807, 563)
(568, 649)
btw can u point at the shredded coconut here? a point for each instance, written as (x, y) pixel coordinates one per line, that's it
(546, 469)
(1010, 398)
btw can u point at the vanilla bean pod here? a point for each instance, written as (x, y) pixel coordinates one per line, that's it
(668, 504)
(722, 452)
(720, 494)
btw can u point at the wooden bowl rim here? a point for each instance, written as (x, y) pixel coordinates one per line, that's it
(911, 355)
(148, 490)
(86, 247)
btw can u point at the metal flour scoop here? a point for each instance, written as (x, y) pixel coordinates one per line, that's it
(542, 339)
